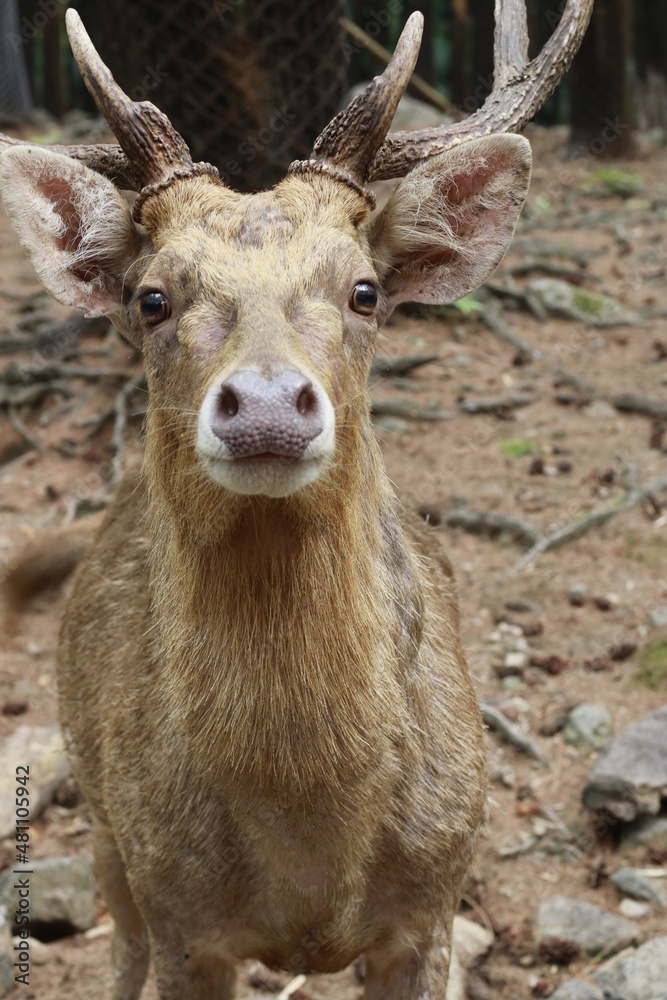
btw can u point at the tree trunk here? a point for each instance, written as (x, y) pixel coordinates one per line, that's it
(602, 94)
(481, 49)
(460, 32)
(15, 99)
(651, 59)
(54, 95)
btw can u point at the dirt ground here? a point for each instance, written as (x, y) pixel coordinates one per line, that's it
(547, 463)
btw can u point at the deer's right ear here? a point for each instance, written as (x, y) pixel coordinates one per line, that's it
(75, 225)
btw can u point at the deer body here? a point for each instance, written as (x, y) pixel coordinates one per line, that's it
(271, 714)
(261, 679)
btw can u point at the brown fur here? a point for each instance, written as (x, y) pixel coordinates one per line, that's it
(265, 698)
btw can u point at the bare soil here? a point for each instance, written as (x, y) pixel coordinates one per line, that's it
(438, 464)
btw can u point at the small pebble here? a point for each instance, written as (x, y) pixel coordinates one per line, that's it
(633, 909)
(15, 707)
(516, 660)
(577, 595)
(505, 775)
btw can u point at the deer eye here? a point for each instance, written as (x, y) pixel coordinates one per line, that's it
(155, 307)
(364, 298)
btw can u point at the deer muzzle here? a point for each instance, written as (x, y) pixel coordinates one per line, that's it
(266, 435)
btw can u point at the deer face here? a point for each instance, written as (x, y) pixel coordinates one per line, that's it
(257, 314)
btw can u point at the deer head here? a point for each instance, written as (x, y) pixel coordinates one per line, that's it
(257, 314)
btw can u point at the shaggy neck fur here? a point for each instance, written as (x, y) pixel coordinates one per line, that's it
(277, 628)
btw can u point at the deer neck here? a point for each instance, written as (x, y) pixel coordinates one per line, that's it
(275, 634)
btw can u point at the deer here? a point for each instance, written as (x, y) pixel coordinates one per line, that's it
(261, 679)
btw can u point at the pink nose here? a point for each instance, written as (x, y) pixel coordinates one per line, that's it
(258, 416)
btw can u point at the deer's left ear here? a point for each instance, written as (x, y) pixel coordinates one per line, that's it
(449, 223)
(75, 225)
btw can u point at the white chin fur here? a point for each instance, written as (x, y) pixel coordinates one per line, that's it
(270, 479)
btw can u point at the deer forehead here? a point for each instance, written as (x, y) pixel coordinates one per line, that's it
(253, 252)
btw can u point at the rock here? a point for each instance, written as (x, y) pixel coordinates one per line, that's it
(633, 910)
(516, 660)
(572, 302)
(505, 775)
(634, 883)
(62, 895)
(640, 976)
(40, 954)
(588, 725)
(6, 956)
(630, 777)
(41, 748)
(469, 942)
(577, 595)
(643, 832)
(600, 410)
(658, 618)
(593, 929)
(576, 989)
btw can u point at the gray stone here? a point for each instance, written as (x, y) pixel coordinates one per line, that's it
(592, 928)
(630, 777)
(640, 976)
(633, 909)
(469, 942)
(588, 725)
(643, 832)
(633, 883)
(571, 302)
(576, 989)
(41, 748)
(658, 618)
(6, 956)
(62, 895)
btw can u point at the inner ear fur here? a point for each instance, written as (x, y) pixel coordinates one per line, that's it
(75, 225)
(449, 223)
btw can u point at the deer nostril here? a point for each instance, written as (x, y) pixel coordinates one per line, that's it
(229, 403)
(307, 401)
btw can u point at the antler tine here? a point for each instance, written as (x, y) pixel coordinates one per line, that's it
(510, 50)
(519, 90)
(154, 149)
(104, 158)
(347, 146)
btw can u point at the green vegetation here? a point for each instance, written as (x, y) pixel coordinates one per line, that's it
(614, 183)
(652, 671)
(516, 447)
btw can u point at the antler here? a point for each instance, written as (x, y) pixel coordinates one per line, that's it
(350, 141)
(520, 89)
(151, 154)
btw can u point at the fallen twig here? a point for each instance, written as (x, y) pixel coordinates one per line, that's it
(18, 374)
(21, 429)
(489, 522)
(629, 402)
(408, 411)
(493, 319)
(15, 395)
(496, 404)
(389, 367)
(567, 377)
(495, 719)
(121, 401)
(575, 529)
